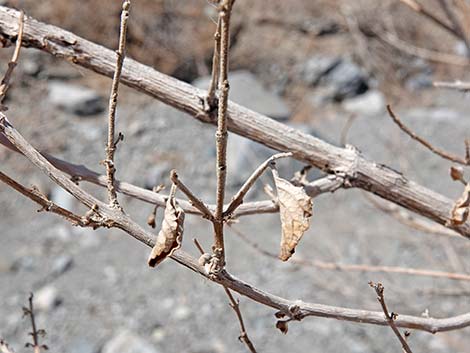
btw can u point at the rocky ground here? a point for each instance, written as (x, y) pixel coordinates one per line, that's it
(93, 290)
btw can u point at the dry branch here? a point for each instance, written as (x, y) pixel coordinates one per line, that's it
(457, 85)
(113, 97)
(441, 153)
(111, 217)
(391, 317)
(349, 163)
(336, 266)
(13, 62)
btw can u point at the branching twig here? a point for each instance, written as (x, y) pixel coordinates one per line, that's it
(221, 134)
(196, 202)
(429, 146)
(35, 333)
(116, 218)
(13, 62)
(235, 304)
(111, 145)
(237, 200)
(379, 289)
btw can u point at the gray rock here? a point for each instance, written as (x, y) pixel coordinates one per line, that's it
(317, 67)
(61, 265)
(75, 99)
(128, 342)
(248, 91)
(158, 174)
(24, 263)
(370, 103)
(82, 345)
(346, 80)
(46, 298)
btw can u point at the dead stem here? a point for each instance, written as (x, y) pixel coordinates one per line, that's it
(13, 62)
(379, 289)
(111, 145)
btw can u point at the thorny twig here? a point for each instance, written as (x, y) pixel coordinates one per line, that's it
(237, 200)
(35, 333)
(379, 289)
(221, 134)
(429, 146)
(235, 304)
(5, 84)
(111, 145)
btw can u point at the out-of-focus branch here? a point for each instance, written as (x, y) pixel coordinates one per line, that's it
(441, 153)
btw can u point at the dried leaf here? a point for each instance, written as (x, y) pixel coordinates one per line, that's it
(171, 235)
(282, 326)
(461, 208)
(295, 208)
(456, 173)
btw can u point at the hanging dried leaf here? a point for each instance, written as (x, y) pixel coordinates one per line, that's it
(171, 235)
(461, 208)
(295, 208)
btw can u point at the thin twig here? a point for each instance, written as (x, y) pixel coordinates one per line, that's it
(410, 220)
(113, 97)
(47, 205)
(439, 152)
(5, 84)
(193, 199)
(211, 93)
(335, 266)
(235, 304)
(379, 289)
(237, 200)
(221, 134)
(457, 85)
(35, 333)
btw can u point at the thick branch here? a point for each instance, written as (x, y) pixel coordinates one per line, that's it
(358, 171)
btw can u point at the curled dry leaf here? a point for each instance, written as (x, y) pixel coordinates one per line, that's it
(295, 208)
(171, 235)
(461, 208)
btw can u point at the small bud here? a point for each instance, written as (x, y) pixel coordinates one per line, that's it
(282, 326)
(456, 173)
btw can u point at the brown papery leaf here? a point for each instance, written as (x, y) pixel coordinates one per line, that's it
(171, 235)
(295, 208)
(461, 209)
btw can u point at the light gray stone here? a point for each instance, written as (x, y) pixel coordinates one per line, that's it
(61, 265)
(370, 103)
(75, 99)
(317, 67)
(248, 91)
(128, 342)
(46, 298)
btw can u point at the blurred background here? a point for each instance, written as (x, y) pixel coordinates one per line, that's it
(327, 68)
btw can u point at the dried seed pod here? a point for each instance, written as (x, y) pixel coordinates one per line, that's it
(282, 326)
(295, 208)
(171, 235)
